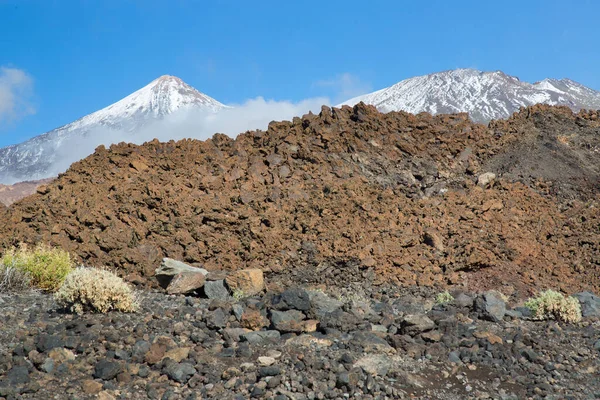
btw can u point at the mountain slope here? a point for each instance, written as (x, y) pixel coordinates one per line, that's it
(484, 95)
(47, 154)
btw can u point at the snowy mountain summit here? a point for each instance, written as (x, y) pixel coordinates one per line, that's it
(50, 153)
(484, 95)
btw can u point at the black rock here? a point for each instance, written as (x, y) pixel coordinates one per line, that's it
(490, 307)
(414, 324)
(340, 320)
(217, 319)
(321, 304)
(259, 337)
(258, 392)
(107, 370)
(292, 299)
(529, 354)
(180, 372)
(18, 375)
(216, 290)
(590, 304)
(271, 370)
(140, 348)
(49, 342)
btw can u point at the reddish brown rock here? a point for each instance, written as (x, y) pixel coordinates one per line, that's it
(248, 281)
(186, 282)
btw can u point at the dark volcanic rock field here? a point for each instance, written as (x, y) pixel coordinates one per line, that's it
(398, 347)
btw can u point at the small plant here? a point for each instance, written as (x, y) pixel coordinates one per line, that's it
(46, 267)
(96, 290)
(238, 294)
(443, 297)
(13, 280)
(553, 305)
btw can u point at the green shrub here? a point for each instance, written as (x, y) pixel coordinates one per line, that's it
(13, 280)
(47, 267)
(553, 305)
(443, 297)
(95, 290)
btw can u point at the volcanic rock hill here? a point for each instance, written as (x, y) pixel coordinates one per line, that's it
(348, 191)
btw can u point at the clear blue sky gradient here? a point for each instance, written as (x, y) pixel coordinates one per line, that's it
(85, 55)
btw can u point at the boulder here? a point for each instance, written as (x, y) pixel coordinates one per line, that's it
(590, 304)
(292, 299)
(490, 306)
(321, 304)
(169, 268)
(249, 281)
(287, 321)
(463, 300)
(484, 180)
(180, 372)
(107, 370)
(260, 337)
(416, 323)
(186, 282)
(216, 290)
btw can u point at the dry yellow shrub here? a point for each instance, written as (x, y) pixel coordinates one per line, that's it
(97, 290)
(553, 305)
(46, 267)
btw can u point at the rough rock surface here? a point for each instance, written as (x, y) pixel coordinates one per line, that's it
(350, 190)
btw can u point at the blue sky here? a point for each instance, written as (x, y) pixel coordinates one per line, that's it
(80, 56)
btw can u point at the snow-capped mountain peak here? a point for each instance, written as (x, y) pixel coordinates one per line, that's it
(38, 157)
(161, 97)
(484, 95)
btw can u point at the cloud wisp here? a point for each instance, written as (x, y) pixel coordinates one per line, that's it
(16, 90)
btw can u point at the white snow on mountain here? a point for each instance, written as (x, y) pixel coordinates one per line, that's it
(37, 158)
(484, 95)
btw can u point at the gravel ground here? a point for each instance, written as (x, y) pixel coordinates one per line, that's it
(299, 344)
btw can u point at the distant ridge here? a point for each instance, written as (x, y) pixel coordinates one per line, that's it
(484, 95)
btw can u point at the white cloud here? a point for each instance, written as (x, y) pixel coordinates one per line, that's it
(345, 86)
(16, 89)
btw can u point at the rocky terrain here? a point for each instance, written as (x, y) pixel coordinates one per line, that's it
(368, 342)
(357, 220)
(408, 198)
